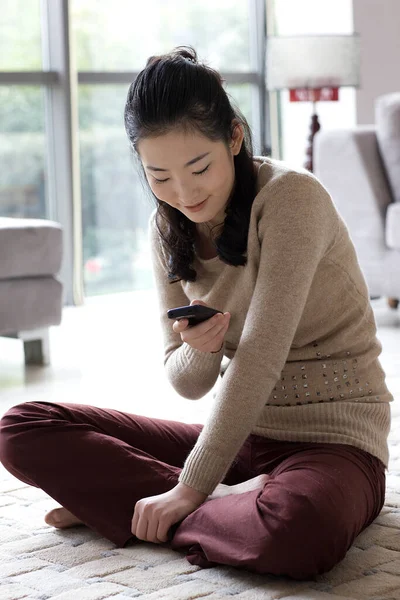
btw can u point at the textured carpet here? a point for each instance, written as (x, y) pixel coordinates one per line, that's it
(40, 562)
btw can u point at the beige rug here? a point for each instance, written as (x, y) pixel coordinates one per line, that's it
(40, 562)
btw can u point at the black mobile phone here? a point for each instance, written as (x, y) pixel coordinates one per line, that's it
(195, 313)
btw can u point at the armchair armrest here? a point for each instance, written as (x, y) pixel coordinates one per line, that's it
(393, 226)
(349, 165)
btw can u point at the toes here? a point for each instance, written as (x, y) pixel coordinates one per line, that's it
(52, 518)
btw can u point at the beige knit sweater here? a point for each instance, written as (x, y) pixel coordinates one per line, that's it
(302, 336)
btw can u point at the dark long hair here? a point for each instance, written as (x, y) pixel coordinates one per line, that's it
(175, 91)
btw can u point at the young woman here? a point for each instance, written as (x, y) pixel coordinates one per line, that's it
(290, 465)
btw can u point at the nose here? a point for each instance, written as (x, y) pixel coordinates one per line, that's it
(187, 194)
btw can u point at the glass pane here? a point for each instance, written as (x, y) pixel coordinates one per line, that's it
(115, 207)
(23, 173)
(241, 94)
(124, 37)
(20, 36)
(246, 97)
(306, 18)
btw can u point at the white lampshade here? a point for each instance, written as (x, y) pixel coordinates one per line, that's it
(312, 61)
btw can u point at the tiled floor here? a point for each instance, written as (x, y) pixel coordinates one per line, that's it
(109, 353)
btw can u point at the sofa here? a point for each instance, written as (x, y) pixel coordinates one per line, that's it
(360, 167)
(30, 292)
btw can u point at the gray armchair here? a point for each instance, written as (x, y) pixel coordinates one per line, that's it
(30, 293)
(360, 167)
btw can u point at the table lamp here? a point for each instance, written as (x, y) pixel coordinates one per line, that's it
(313, 68)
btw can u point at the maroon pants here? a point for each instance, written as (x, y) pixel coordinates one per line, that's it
(99, 462)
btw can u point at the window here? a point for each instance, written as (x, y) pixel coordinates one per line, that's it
(23, 172)
(115, 207)
(22, 126)
(20, 36)
(123, 38)
(61, 130)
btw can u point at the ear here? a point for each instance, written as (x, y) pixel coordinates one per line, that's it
(237, 137)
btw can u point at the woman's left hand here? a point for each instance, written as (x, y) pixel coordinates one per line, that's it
(154, 516)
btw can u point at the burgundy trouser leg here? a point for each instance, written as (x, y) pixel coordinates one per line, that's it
(318, 498)
(98, 462)
(95, 462)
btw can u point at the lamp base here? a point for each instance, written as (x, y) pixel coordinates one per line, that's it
(315, 126)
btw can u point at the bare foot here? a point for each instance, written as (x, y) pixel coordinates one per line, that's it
(61, 518)
(257, 483)
(222, 490)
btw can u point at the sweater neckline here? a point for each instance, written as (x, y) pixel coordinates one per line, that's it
(207, 261)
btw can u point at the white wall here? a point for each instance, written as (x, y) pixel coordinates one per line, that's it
(378, 23)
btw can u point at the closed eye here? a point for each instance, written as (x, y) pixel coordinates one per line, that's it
(194, 173)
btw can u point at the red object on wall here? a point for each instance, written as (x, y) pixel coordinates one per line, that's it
(325, 94)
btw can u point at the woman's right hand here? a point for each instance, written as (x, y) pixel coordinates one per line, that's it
(207, 336)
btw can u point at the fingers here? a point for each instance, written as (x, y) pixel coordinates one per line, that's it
(162, 533)
(180, 325)
(198, 302)
(134, 522)
(207, 335)
(139, 524)
(197, 330)
(152, 528)
(148, 530)
(210, 327)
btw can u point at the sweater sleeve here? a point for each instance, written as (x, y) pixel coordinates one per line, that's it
(192, 373)
(296, 228)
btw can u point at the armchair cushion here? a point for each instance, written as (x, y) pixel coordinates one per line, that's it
(29, 303)
(393, 226)
(29, 248)
(387, 112)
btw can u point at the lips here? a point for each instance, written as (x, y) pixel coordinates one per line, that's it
(197, 207)
(194, 205)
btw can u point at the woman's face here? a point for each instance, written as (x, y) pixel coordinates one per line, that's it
(191, 173)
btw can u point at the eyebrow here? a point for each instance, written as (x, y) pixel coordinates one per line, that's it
(191, 162)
